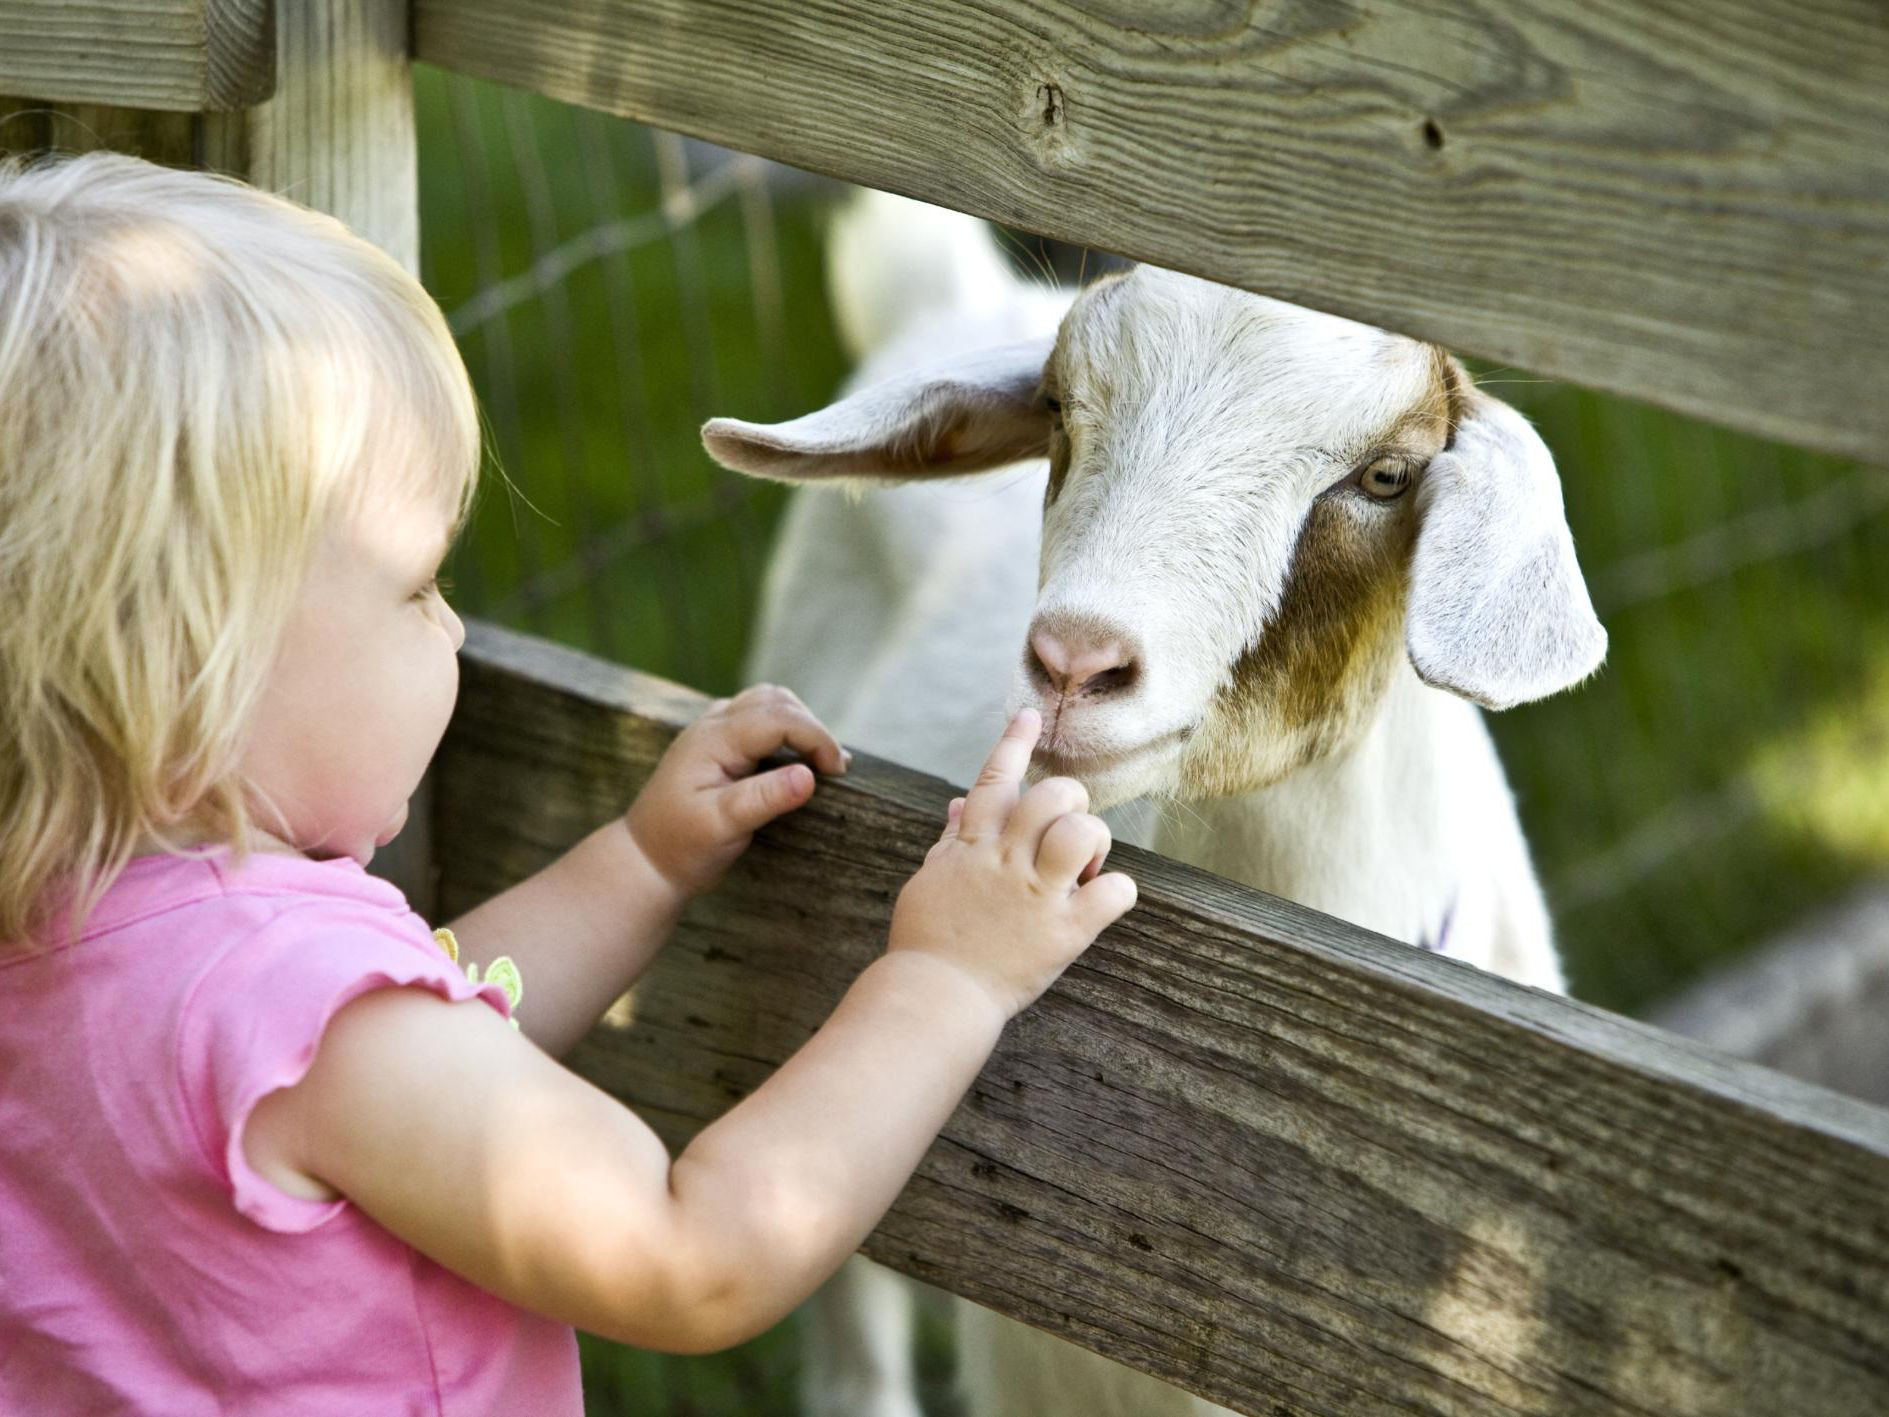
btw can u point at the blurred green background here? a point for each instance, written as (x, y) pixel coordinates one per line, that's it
(612, 287)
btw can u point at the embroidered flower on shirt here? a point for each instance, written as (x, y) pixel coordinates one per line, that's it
(501, 971)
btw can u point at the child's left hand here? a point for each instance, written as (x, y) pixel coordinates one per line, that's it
(704, 802)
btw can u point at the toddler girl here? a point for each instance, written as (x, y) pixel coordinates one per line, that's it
(267, 1147)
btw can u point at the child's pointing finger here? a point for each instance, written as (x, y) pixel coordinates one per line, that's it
(987, 806)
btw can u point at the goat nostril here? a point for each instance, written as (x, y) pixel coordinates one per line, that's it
(1093, 670)
(1116, 680)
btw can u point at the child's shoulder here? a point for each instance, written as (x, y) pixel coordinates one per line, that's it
(181, 913)
(178, 936)
(205, 906)
(214, 874)
(287, 939)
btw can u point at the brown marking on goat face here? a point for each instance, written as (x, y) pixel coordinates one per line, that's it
(1320, 665)
(1456, 386)
(1318, 670)
(1426, 427)
(1058, 464)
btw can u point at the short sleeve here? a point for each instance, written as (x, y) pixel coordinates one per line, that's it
(252, 1023)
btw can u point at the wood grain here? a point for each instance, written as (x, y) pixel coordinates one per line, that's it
(1687, 204)
(338, 135)
(181, 55)
(1283, 1162)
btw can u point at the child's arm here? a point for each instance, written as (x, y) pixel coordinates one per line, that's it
(480, 1151)
(583, 929)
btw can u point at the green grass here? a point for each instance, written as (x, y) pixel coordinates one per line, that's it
(1727, 772)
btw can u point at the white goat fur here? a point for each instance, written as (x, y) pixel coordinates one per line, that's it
(1202, 422)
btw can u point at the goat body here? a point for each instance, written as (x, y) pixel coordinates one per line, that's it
(1267, 705)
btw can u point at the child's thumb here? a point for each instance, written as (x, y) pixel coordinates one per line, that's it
(755, 801)
(1104, 900)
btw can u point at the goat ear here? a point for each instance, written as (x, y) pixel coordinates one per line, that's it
(977, 412)
(1498, 610)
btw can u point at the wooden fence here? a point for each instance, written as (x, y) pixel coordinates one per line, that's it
(1685, 203)
(1276, 1159)
(1253, 1150)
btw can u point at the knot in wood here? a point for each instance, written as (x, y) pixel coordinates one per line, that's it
(1050, 104)
(1043, 122)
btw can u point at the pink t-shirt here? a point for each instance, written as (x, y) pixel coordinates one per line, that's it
(144, 1267)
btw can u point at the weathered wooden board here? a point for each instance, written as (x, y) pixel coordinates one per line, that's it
(1684, 203)
(335, 134)
(338, 135)
(182, 55)
(1278, 1160)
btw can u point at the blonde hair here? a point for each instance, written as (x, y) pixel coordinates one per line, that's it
(195, 378)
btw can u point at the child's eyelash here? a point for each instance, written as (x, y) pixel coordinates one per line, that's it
(439, 583)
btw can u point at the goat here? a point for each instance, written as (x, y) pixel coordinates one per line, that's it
(1283, 557)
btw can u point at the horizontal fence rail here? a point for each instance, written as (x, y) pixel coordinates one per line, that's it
(1283, 1162)
(1688, 204)
(184, 56)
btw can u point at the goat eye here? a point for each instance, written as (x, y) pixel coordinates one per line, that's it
(1054, 405)
(1386, 479)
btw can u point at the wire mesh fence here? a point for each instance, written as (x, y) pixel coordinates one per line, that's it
(612, 287)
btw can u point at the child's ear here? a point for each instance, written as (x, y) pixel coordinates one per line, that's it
(979, 411)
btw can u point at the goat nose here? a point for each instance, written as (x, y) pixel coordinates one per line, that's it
(1074, 662)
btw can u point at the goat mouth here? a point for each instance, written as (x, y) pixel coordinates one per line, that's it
(1048, 762)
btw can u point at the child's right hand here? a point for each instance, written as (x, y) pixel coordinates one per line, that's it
(1011, 893)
